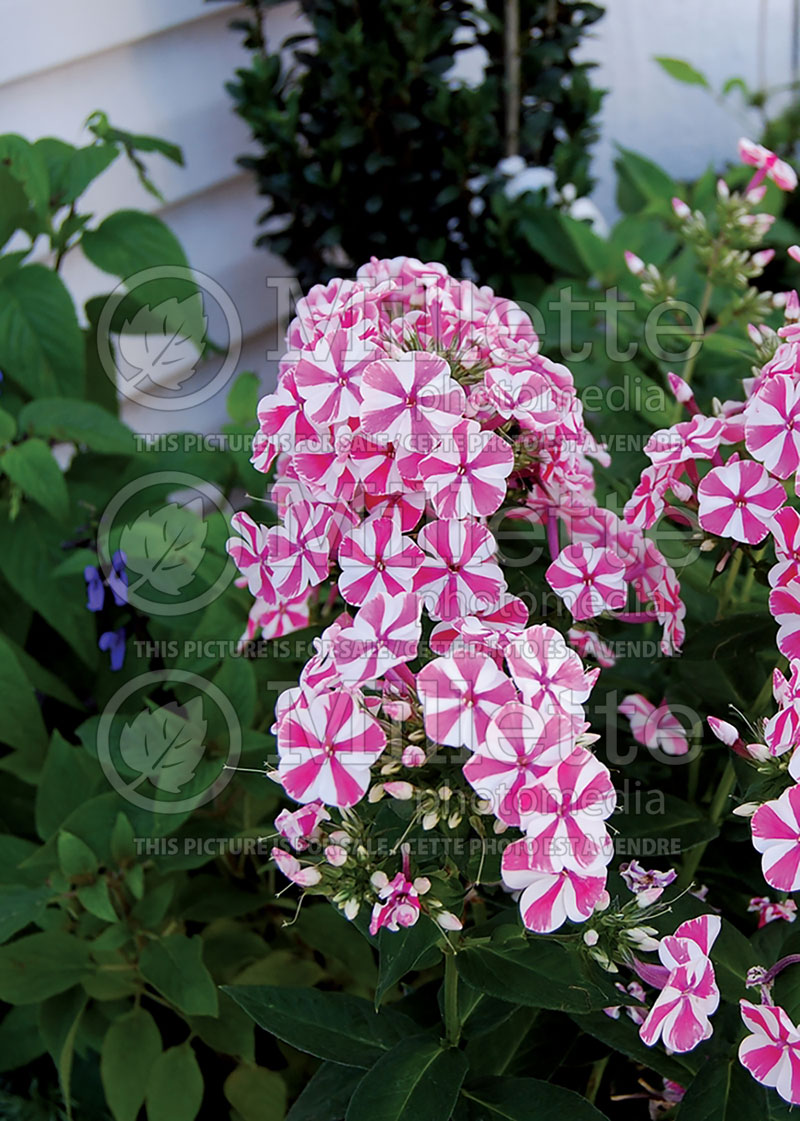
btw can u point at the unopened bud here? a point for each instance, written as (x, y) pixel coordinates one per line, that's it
(681, 209)
(635, 264)
(747, 809)
(402, 791)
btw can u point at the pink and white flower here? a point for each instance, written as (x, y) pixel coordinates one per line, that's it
(398, 902)
(656, 728)
(772, 1050)
(690, 995)
(768, 911)
(375, 558)
(549, 899)
(300, 827)
(299, 550)
(786, 536)
(384, 633)
(776, 835)
(772, 425)
(739, 501)
(784, 606)
(459, 575)
(250, 553)
(466, 474)
(564, 811)
(768, 164)
(459, 695)
(589, 580)
(522, 744)
(303, 876)
(410, 400)
(548, 673)
(326, 750)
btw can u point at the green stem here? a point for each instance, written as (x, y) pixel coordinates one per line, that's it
(452, 1021)
(715, 815)
(595, 1078)
(734, 565)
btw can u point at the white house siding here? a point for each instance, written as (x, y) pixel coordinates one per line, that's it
(158, 67)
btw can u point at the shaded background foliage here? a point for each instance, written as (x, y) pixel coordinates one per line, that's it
(368, 146)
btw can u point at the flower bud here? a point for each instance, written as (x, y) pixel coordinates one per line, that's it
(794, 252)
(591, 937)
(747, 809)
(448, 921)
(336, 855)
(681, 209)
(413, 756)
(635, 264)
(402, 791)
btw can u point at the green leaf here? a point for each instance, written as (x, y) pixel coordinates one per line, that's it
(325, 1096)
(19, 906)
(96, 898)
(41, 344)
(335, 1026)
(34, 470)
(539, 974)
(81, 422)
(75, 858)
(418, 1080)
(20, 1039)
(256, 1094)
(71, 169)
(723, 1090)
(22, 726)
(25, 164)
(643, 183)
(175, 1086)
(165, 548)
(68, 777)
(174, 965)
(520, 1099)
(622, 1035)
(242, 400)
(130, 242)
(130, 1049)
(400, 952)
(41, 965)
(59, 1020)
(682, 71)
(8, 427)
(165, 746)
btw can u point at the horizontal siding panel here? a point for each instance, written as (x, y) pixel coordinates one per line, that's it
(51, 32)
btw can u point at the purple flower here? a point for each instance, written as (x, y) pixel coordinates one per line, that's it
(118, 578)
(638, 880)
(95, 589)
(114, 643)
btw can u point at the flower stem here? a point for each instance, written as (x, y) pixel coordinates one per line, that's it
(715, 815)
(452, 1022)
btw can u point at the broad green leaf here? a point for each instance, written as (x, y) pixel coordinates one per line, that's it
(256, 1094)
(71, 169)
(25, 164)
(19, 906)
(175, 1086)
(623, 1035)
(22, 726)
(335, 1026)
(682, 71)
(723, 1090)
(165, 746)
(81, 422)
(642, 183)
(129, 243)
(231, 1031)
(20, 1039)
(164, 548)
(42, 965)
(325, 1096)
(521, 1099)
(539, 973)
(130, 1049)
(59, 1021)
(8, 427)
(400, 952)
(418, 1080)
(68, 777)
(41, 344)
(96, 898)
(174, 965)
(31, 466)
(43, 679)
